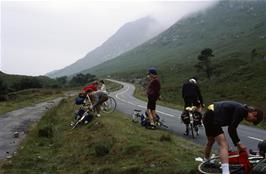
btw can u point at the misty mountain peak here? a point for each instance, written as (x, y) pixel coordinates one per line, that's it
(129, 36)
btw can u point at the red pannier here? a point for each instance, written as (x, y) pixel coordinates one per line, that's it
(241, 158)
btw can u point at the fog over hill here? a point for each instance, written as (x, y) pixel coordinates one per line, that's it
(127, 37)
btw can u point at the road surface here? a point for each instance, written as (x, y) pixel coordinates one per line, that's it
(126, 103)
(17, 122)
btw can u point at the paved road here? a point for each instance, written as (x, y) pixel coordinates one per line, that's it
(18, 121)
(127, 103)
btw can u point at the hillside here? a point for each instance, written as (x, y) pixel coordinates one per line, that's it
(232, 29)
(10, 80)
(127, 37)
(53, 147)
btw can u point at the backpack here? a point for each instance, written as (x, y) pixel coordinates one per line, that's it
(260, 168)
(80, 100)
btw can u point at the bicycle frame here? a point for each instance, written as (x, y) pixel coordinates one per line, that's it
(253, 159)
(137, 115)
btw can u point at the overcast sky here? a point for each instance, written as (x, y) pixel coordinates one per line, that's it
(41, 36)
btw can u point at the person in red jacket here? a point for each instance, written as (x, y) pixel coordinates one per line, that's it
(153, 93)
(93, 87)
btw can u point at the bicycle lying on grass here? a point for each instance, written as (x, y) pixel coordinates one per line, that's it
(82, 115)
(143, 119)
(239, 163)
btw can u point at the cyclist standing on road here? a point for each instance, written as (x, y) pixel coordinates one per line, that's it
(153, 93)
(192, 97)
(227, 113)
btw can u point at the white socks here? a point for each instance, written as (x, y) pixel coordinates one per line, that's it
(225, 168)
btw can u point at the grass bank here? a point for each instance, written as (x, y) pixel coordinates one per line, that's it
(110, 144)
(28, 97)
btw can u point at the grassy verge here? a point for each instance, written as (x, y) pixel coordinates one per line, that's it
(28, 97)
(110, 144)
(112, 86)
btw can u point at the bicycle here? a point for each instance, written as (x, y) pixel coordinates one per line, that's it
(144, 120)
(192, 119)
(236, 166)
(82, 115)
(109, 106)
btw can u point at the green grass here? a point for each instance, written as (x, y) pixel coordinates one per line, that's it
(110, 144)
(27, 97)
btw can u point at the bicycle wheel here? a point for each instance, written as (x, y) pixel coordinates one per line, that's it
(192, 130)
(213, 166)
(109, 106)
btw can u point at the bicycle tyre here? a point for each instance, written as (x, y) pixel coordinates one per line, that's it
(110, 105)
(214, 168)
(192, 130)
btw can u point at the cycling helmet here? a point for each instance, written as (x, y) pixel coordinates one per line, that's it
(152, 71)
(192, 81)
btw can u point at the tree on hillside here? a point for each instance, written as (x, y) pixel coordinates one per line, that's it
(81, 79)
(253, 54)
(27, 83)
(3, 90)
(204, 63)
(62, 80)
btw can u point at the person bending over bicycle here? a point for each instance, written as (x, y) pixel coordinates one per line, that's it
(192, 97)
(153, 93)
(97, 98)
(227, 113)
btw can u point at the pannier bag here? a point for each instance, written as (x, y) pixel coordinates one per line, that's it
(185, 117)
(145, 121)
(197, 116)
(242, 159)
(80, 100)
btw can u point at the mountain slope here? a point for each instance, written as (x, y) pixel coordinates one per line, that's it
(232, 29)
(127, 37)
(230, 23)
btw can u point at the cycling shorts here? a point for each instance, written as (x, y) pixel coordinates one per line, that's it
(151, 103)
(212, 129)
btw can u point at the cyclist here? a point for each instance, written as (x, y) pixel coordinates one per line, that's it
(102, 86)
(96, 98)
(192, 97)
(94, 86)
(153, 93)
(227, 113)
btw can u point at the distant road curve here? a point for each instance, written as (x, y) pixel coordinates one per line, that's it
(126, 103)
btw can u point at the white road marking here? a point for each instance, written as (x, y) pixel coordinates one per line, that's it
(254, 138)
(121, 93)
(170, 115)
